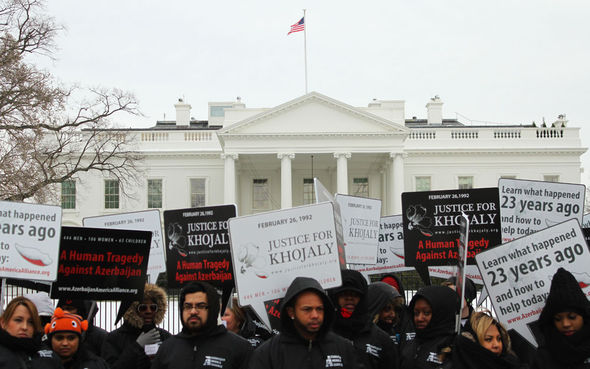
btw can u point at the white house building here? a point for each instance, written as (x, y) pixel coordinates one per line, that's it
(265, 158)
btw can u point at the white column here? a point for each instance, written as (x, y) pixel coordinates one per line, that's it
(396, 185)
(286, 182)
(229, 178)
(384, 202)
(342, 172)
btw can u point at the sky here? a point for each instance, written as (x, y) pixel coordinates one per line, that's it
(510, 62)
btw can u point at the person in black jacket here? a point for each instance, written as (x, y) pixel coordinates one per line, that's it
(353, 321)
(95, 336)
(202, 343)
(483, 344)
(64, 334)
(126, 346)
(434, 308)
(405, 325)
(565, 326)
(385, 307)
(305, 340)
(20, 338)
(240, 320)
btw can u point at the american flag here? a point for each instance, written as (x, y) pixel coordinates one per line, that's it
(297, 27)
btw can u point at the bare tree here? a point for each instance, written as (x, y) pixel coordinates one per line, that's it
(50, 133)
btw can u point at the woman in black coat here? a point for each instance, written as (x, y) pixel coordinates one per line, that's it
(483, 344)
(20, 338)
(564, 325)
(434, 309)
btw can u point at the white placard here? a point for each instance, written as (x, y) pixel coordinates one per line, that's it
(29, 241)
(586, 221)
(447, 272)
(518, 274)
(360, 227)
(529, 206)
(148, 220)
(270, 249)
(390, 257)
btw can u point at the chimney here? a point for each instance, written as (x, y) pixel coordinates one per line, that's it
(183, 113)
(434, 109)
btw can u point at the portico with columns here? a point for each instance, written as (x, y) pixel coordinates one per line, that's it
(312, 136)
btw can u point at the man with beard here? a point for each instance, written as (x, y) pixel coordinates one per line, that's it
(202, 343)
(305, 340)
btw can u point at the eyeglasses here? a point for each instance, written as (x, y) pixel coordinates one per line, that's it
(143, 307)
(201, 306)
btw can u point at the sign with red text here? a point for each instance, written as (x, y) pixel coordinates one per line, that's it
(102, 264)
(529, 206)
(432, 219)
(197, 246)
(148, 220)
(390, 257)
(360, 228)
(270, 249)
(29, 241)
(518, 274)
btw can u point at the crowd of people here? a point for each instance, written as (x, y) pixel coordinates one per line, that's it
(356, 325)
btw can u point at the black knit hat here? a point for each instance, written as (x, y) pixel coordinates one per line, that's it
(470, 289)
(352, 280)
(565, 295)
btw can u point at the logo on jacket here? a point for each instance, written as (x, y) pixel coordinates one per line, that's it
(333, 361)
(373, 350)
(433, 358)
(214, 361)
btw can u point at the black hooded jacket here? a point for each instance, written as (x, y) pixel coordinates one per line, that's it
(120, 349)
(95, 336)
(555, 349)
(289, 350)
(252, 330)
(374, 346)
(381, 294)
(405, 326)
(423, 352)
(469, 354)
(212, 347)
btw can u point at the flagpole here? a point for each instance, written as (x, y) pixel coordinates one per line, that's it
(305, 47)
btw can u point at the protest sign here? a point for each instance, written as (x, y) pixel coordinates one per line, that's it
(461, 264)
(273, 311)
(198, 246)
(148, 220)
(102, 264)
(321, 195)
(586, 221)
(360, 228)
(270, 249)
(518, 274)
(447, 272)
(431, 224)
(529, 206)
(29, 244)
(390, 257)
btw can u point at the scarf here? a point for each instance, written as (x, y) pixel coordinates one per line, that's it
(570, 350)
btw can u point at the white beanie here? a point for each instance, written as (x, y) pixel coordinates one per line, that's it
(42, 302)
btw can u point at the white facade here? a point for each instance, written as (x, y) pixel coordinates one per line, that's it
(260, 158)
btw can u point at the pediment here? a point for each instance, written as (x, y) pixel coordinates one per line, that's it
(314, 114)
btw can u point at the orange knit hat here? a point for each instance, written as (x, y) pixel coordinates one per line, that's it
(64, 321)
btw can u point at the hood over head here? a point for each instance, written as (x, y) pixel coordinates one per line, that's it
(444, 303)
(299, 285)
(158, 296)
(395, 282)
(380, 294)
(213, 300)
(346, 324)
(84, 307)
(470, 289)
(565, 294)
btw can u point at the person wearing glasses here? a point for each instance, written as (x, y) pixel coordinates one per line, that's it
(202, 343)
(133, 345)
